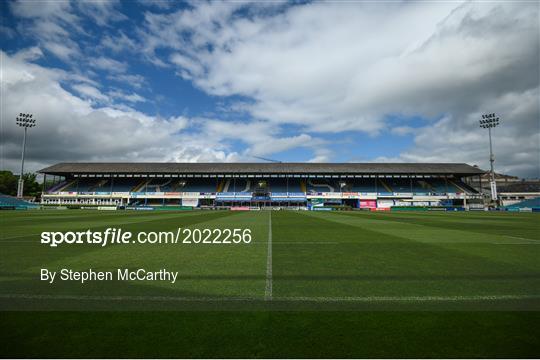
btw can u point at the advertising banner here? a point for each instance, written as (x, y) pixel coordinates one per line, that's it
(240, 208)
(122, 194)
(67, 193)
(190, 202)
(368, 204)
(350, 195)
(317, 202)
(296, 194)
(385, 204)
(403, 194)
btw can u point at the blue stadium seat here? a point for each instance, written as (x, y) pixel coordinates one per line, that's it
(89, 185)
(10, 202)
(441, 186)
(362, 186)
(530, 203)
(197, 185)
(285, 185)
(124, 184)
(322, 185)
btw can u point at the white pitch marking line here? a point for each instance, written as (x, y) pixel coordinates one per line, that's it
(426, 298)
(362, 299)
(268, 290)
(521, 238)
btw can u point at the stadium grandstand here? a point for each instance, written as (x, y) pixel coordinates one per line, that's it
(240, 185)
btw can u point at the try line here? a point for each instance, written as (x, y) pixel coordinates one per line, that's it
(322, 299)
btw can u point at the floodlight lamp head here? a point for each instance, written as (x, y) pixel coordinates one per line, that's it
(25, 120)
(489, 121)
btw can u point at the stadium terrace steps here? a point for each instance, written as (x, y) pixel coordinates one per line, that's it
(530, 203)
(201, 185)
(324, 184)
(141, 185)
(424, 185)
(362, 186)
(385, 186)
(441, 186)
(58, 187)
(465, 187)
(248, 186)
(100, 185)
(457, 186)
(220, 185)
(285, 186)
(10, 202)
(226, 186)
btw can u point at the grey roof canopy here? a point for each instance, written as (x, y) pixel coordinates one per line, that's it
(66, 169)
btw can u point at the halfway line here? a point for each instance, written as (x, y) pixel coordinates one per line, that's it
(268, 290)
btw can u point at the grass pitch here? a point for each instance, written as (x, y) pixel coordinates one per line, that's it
(358, 267)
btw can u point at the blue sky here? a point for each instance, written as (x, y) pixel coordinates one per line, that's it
(304, 81)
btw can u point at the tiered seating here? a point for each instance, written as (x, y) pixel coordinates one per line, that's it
(197, 185)
(467, 188)
(160, 185)
(124, 184)
(420, 186)
(383, 188)
(57, 186)
(530, 203)
(88, 185)
(361, 185)
(238, 185)
(101, 185)
(322, 185)
(285, 185)
(440, 186)
(10, 202)
(399, 185)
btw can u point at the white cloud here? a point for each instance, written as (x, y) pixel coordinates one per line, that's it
(322, 67)
(402, 130)
(108, 64)
(90, 127)
(50, 24)
(102, 12)
(134, 80)
(72, 128)
(119, 43)
(334, 67)
(90, 92)
(132, 98)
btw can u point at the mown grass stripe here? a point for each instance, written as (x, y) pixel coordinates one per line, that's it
(364, 299)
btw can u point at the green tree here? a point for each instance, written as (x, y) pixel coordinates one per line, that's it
(8, 183)
(31, 186)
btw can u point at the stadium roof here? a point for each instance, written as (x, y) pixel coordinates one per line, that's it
(263, 168)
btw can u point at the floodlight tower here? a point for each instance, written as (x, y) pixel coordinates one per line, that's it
(489, 121)
(25, 121)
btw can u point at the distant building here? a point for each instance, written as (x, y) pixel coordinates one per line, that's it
(510, 189)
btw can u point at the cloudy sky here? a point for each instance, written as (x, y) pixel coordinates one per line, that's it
(308, 81)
